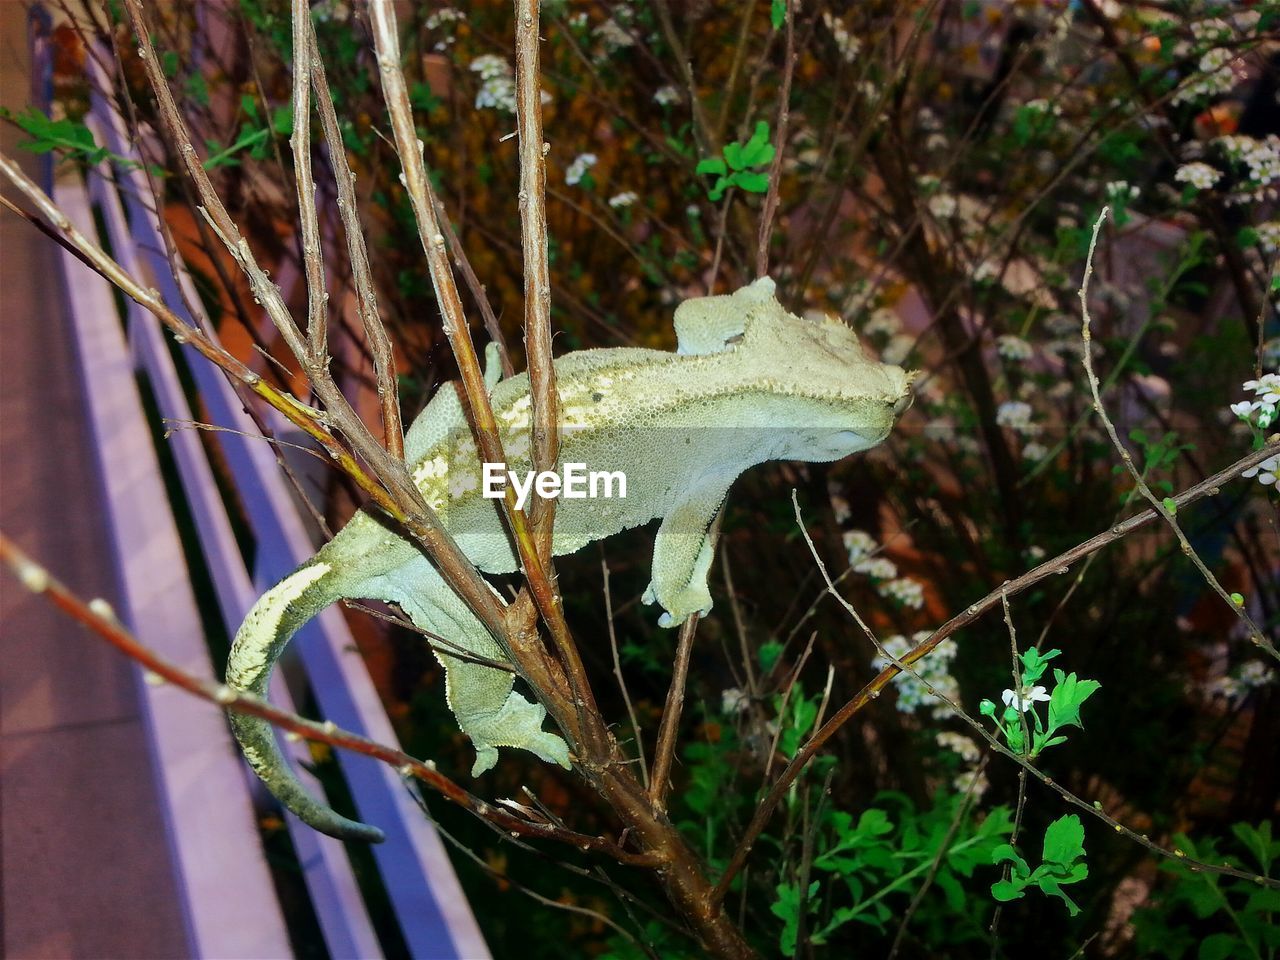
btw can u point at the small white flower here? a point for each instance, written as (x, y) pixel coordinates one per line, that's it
(1013, 348)
(1216, 76)
(578, 169)
(733, 701)
(860, 544)
(1119, 191)
(1034, 451)
(846, 43)
(442, 16)
(1262, 157)
(882, 321)
(974, 781)
(498, 86)
(934, 670)
(879, 568)
(1269, 236)
(1016, 415)
(625, 199)
(943, 205)
(613, 36)
(958, 743)
(1199, 175)
(1242, 409)
(897, 349)
(987, 270)
(908, 592)
(1266, 471)
(1028, 697)
(666, 96)
(1044, 106)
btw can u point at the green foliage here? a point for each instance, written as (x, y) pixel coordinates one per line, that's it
(71, 139)
(738, 168)
(778, 13)
(1159, 454)
(1210, 917)
(1062, 863)
(255, 135)
(869, 869)
(1069, 693)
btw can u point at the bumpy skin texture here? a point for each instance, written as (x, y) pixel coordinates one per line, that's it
(749, 383)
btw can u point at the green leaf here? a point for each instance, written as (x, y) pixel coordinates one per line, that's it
(1067, 697)
(768, 655)
(758, 150)
(282, 119)
(1064, 840)
(733, 154)
(1171, 505)
(751, 182)
(1005, 852)
(1221, 946)
(1006, 890)
(48, 135)
(711, 165)
(1257, 840)
(778, 13)
(1034, 663)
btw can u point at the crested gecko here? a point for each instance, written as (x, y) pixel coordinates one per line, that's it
(749, 382)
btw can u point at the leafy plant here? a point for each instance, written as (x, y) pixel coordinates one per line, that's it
(1062, 863)
(70, 138)
(1212, 917)
(1069, 693)
(738, 167)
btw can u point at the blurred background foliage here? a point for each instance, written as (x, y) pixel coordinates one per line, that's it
(938, 175)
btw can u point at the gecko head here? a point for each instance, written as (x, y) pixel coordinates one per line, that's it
(815, 379)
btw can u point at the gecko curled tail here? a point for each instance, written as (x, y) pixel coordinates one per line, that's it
(272, 622)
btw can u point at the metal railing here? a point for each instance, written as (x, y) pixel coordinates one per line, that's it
(207, 793)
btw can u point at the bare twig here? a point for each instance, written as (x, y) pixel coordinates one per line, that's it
(537, 281)
(361, 275)
(664, 751)
(1160, 507)
(1053, 567)
(95, 616)
(617, 672)
(775, 169)
(300, 143)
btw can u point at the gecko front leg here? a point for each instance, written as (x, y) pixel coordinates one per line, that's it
(683, 551)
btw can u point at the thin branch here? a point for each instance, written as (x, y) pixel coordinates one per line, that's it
(664, 751)
(775, 169)
(308, 221)
(423, 201)
(361, 274)
(1160, 507)
(537, 281)
(1053, 567)
(98, 618)
(617, 672)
